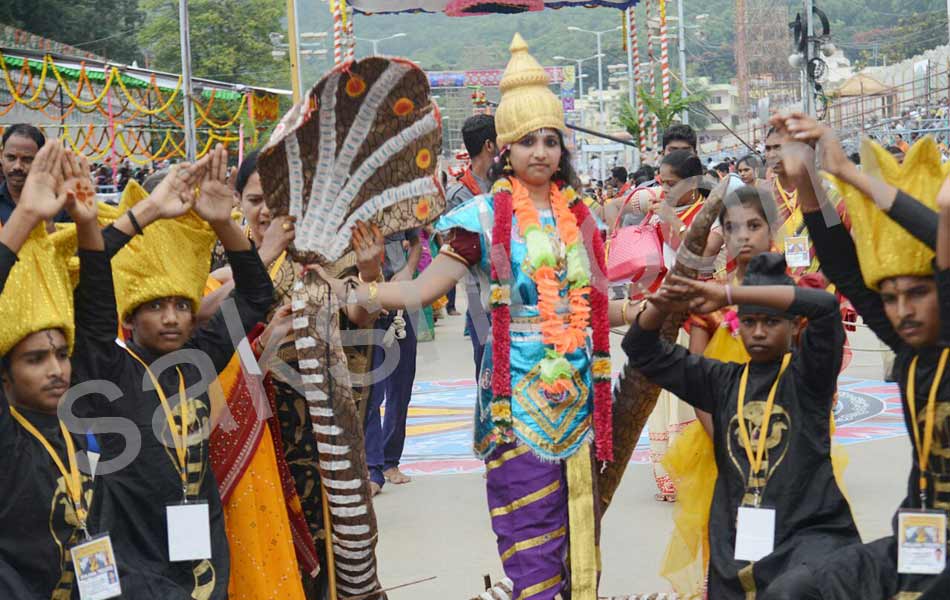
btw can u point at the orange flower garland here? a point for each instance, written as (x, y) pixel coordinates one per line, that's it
(564, 339)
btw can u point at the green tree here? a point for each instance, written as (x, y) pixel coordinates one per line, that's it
(229, 39)
(103, 27)
(666, 114)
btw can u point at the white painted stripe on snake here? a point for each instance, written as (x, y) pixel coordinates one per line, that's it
(325, 159)
(344, 498)
(422, 186)
(316, 396)
(355, 568)
(352, 554)
(301, 323)
(321, 411)
(313, 379)
(332, 449)
(357, 591)
(341, 484)
(309, 363)
(351, 529)
(357, 579)
(298, 305)
(354, 544)
(345, 512)
(327, 429)
(294, 175)
(335, 465)
(303, 343)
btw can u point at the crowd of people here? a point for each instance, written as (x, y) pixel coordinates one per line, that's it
(149, 452)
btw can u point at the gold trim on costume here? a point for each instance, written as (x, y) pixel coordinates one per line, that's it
(533, 542)
(583, 540)
(506, 456)
(547, 414)
(539, 587)
(448, 251)
(526, 500)
(747, 581)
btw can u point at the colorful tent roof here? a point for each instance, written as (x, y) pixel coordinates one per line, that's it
(463, 7)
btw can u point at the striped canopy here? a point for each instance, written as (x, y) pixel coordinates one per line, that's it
(464, 7)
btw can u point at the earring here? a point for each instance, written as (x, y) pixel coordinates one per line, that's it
(507, 168)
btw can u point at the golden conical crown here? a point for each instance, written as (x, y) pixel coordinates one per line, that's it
(527, 103)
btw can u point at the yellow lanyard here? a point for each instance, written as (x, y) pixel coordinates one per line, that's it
(179, 435)
(923, 450)
(755, 461)
(785, 197)
(71, 477)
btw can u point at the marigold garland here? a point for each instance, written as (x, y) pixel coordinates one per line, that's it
(595, 309)
(603, 397)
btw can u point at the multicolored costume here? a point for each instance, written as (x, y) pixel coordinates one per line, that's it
(539, 407)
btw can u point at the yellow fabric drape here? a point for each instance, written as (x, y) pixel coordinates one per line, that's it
(263, 562)
(583, 529)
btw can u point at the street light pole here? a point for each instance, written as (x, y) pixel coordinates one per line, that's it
(807, 98)
(375, 42)
(296, 73)
(191, 144)
(682, 53)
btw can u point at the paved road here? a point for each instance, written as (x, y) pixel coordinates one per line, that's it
(438, 525)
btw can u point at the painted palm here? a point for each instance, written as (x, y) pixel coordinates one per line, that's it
(361, 146)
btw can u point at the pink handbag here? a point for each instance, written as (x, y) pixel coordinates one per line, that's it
(635, 253)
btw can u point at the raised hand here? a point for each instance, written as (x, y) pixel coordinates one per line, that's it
(77, 188)
(175, 195)
(805, 128)
(216, 199)
(41, 195)
(369, 246)
(703, 296)
(279, 234)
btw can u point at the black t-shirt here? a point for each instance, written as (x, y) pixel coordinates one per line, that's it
(812, 516)
(133, 499)
(37, 518)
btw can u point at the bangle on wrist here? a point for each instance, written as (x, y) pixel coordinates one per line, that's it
(135, 222)
(728, 294)
(623, 311)
(373, 289)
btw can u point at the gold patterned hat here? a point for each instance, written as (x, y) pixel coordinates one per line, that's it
(885, 249)
(527, 103)
(39, 293)
(172, 258)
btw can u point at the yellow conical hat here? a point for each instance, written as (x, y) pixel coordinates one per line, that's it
(39, 293)
(885, 249)
(172, 258)
(527, 103)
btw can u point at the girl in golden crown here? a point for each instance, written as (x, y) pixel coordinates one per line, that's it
(544, 393)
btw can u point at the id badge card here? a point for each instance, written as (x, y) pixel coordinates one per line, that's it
(755, 533)
(796, 251)
(189, 531)
(97, 576)
(922, 542)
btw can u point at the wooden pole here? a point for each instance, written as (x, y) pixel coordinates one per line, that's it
(328, 541)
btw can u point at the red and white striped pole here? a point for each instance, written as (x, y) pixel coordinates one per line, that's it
(664, 54)
(349, 34)
(654, 124)
(634, 41)
(337, 31)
